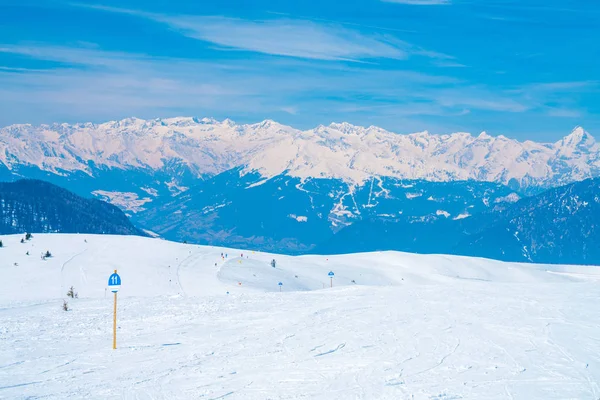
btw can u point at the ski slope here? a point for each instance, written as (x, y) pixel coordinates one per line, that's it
(193, 324)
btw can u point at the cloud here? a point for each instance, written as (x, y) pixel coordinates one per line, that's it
(91, 84)
(290, 110)
(480, 98)
(563, 113)
(419, 2)
(560, 87)
(287, 37)
(282, 37)
(301, 38)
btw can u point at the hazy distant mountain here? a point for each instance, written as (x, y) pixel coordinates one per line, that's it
(37, 206)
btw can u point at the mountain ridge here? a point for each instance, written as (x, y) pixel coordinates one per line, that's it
(31, 205)
(353, 154)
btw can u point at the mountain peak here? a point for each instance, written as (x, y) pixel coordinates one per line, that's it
(344, 127)
(579, 137)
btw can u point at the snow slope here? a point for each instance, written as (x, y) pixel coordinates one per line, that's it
(410, 327)
(341, 151)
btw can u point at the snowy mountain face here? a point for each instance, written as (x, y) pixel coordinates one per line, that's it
(346, 152)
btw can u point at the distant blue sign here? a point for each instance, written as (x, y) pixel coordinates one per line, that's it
(331, 274)
(114, 282)
(280, 284)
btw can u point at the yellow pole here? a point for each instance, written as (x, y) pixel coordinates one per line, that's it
(115, 324)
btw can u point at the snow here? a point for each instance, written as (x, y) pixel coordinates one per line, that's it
(511, 198)
(462, 216)
(255, 184)
(411, 327)
(299, 218)
(174, 188)
(442, 212)
(342, 151)
(413, 195)
(150, 191)
(126, 200)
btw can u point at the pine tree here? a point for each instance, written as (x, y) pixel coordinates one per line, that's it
(1, 245)
(65, 305)
(72, 294)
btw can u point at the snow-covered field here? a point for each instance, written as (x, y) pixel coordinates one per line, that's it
(408, 327)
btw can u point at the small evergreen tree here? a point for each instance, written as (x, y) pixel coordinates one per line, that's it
(273, 263)
(48, 254)
(1, 245)
(22, 240)
(65, 305)
(72, 294)
(28, 236)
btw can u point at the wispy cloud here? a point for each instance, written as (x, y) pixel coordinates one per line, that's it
(287, 37)
(290, 110)
(561, 86)
(301, 38)
(563, 113)
(92, 84)
(420, 2)
(480, 99)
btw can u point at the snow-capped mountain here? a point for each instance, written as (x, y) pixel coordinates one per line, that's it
(353, 154)
(272, 187)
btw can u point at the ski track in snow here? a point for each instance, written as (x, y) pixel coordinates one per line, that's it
(412, 327)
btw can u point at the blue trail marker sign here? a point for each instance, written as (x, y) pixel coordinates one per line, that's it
(114, 284)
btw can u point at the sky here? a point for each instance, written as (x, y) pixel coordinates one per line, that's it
(526, 69)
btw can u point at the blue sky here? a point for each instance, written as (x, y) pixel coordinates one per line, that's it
(526, 69)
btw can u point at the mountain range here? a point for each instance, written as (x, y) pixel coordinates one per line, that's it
(353, 154)
(272, 187)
